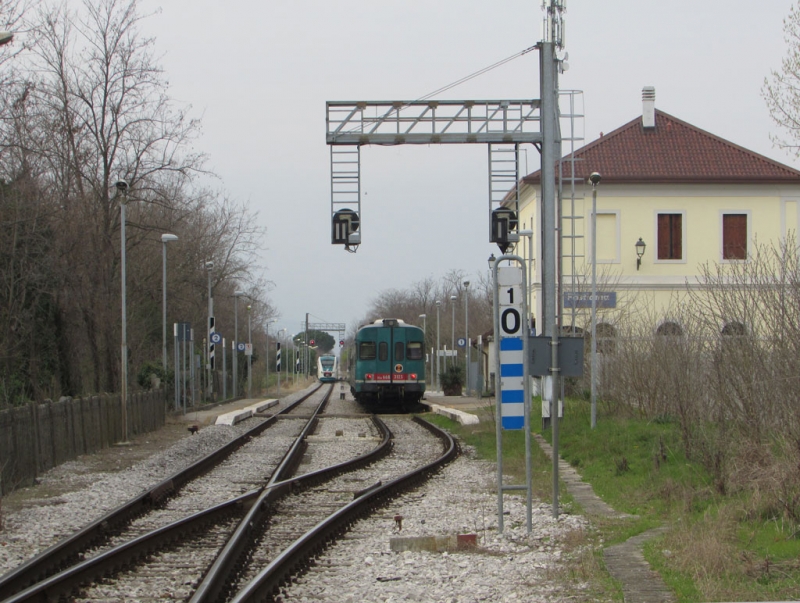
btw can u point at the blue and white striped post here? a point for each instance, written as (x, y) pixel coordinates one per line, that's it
(278, 364)
(512, 385)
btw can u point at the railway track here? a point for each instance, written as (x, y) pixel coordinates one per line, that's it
(169, 551)
(157, 504)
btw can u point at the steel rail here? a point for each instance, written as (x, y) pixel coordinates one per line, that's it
(68, 551)
(214, 581)
(297, 556)
(62, 584)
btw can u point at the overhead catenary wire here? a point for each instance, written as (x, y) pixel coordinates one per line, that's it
(464, 79)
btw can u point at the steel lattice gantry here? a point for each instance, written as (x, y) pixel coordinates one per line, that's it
(502, 124)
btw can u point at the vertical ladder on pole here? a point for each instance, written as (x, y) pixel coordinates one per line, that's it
(345, 184)
(503, 177)
(572, 200)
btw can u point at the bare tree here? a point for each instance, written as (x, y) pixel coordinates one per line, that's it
(781, 90)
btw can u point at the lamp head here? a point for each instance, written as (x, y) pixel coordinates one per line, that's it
(466, 284)
(166, 237)
(121, 186)
(640, 247)
(5, 37)
(594, 178)
(438, 303)
(209, 265)
(453, 297)
(238, 293)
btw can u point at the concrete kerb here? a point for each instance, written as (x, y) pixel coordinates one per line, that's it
(453, 414)
(235, 416)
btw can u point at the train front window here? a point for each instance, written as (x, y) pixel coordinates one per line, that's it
(399, 351)
(383, 351)
(414, 350)
(366, 350)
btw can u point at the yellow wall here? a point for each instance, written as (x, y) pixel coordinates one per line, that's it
(628, 212)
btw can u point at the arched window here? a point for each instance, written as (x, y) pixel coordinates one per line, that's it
(670, 329)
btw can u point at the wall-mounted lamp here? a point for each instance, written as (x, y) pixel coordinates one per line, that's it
(640, 245)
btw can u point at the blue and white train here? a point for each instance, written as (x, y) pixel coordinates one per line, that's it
(328, 368)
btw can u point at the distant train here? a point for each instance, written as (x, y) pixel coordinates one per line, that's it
(389, 363)
(328, 368)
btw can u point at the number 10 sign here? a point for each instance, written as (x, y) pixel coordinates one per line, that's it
(510, 302)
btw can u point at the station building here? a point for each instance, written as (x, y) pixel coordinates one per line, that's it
(673, 198)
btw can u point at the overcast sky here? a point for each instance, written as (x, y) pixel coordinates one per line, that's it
(259, 73)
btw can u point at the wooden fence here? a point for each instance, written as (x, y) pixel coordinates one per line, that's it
(38, 437)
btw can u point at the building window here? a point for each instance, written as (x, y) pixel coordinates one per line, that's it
(606, 338)
(670, 236)
(734, 236)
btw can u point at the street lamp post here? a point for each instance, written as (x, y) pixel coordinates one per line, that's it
(436, 373)
(595, 180)
(466, 329)
(249, 356)
(165, 238)
(453, 299)
(122, 193)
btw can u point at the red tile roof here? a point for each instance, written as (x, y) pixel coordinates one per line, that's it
(674, 152)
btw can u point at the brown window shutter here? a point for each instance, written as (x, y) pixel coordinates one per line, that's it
(734, 237)
(670, 236)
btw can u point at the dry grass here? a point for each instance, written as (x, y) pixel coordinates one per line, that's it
(581, 575)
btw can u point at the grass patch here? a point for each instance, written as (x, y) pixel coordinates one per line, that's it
(719, 546)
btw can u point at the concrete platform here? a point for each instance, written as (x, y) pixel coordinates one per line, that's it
(235, 416)
(464, 409)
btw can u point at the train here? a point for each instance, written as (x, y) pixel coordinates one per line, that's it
(389, 364)
(328, 368)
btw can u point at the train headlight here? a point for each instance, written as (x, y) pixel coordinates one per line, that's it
(413, 376)
(368, 376)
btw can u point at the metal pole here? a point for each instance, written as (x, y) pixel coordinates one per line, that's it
(164, 305)
(549, 231)
(124, 345)
(424, 318)
(267, 359)
(249, 358)
(453, 304)
(208, 346)
(466, 329)
(438, 347)
(307, 355)
(595, 178)
(175, 362)
(224, 371)
(497, 400)
(235, 358)
(165, 238)
(191, 365)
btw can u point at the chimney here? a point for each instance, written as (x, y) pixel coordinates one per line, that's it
(649, 108)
